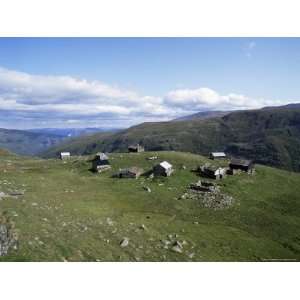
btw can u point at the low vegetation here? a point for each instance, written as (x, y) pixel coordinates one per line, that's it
(62, 211)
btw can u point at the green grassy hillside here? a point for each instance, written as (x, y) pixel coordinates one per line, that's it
(270, 136)
(26, 143)
(62, 211)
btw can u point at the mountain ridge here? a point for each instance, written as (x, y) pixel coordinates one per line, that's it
(269, 136)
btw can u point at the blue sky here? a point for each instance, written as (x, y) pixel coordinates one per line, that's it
(81, 82)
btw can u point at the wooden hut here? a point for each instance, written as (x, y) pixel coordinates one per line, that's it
(213, 172)
(163, 169)
(100, 163)
(242, 164)
(133, 172)
(136, 148)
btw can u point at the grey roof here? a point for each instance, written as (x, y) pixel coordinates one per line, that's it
(166, 165)
(218, 154)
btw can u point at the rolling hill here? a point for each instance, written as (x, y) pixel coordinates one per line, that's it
(27, 143)
(60, 211)
(269, 136)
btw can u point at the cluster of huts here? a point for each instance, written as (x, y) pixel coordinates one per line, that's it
(101, 163)
(235, 166)
(161, 169)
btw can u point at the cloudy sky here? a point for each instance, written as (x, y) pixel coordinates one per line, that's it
(121, 82)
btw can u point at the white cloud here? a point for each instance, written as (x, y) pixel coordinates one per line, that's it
(60, 100)
(208, 99)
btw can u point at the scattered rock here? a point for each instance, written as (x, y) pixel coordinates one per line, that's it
(124, 242)
(152, 158)
(177, 249)
(2, 195)
(16, 193)
(8, 238)
(184, 196)
(177, 243)
(191, 255)
(143, 227)
(146, 188)
(166, 242)
(109, 221)
(209, 195)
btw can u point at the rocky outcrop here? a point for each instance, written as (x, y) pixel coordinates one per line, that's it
(8, 237)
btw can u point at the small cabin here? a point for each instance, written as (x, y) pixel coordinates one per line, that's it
(163, 169)
(213, 172)
(100, 163)
(217, 155)
(65, 155)
(133, 172)
(242, 164)
(136, 148)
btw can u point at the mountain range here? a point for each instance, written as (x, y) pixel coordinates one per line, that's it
(270, 136)
(25, 142)
(72, 132)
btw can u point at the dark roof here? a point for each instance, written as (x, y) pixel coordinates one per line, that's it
(241, 162)
(134, 146)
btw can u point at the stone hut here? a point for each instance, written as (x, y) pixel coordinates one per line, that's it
(136, 148)
(163, 169)
(133, 172)
(100, 163)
